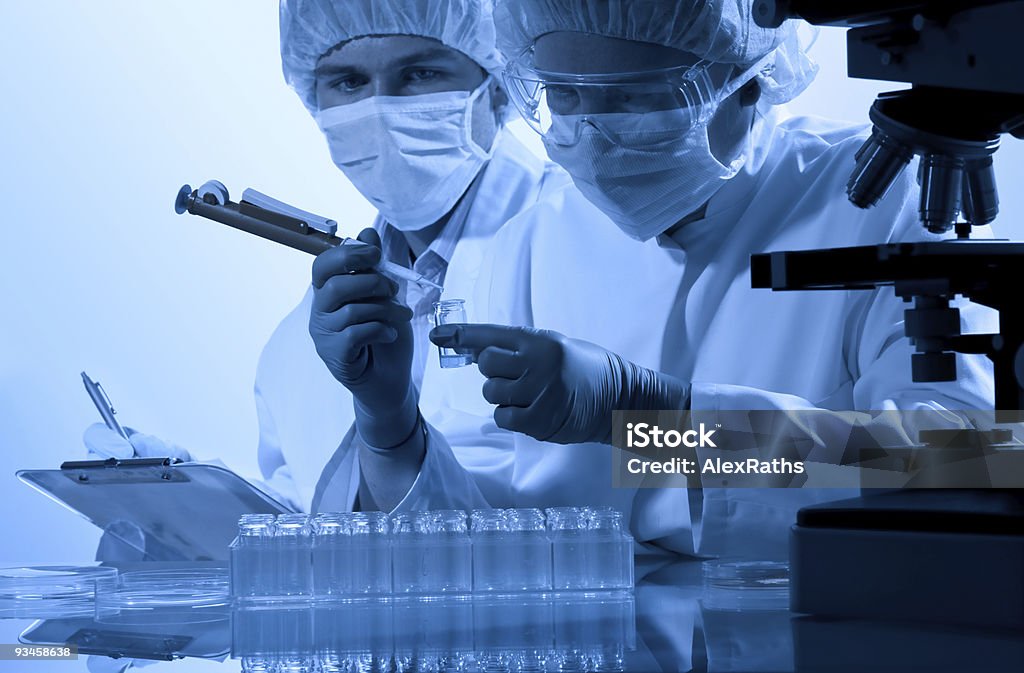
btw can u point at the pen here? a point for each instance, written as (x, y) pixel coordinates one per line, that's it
(103, 405)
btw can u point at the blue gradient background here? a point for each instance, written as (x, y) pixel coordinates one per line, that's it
(107, 108)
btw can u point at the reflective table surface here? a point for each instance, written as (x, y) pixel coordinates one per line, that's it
(670, 622)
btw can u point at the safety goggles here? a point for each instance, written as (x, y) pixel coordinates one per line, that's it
(559, 106)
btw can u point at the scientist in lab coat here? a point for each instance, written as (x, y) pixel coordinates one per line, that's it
(664, 114)
(408, 96)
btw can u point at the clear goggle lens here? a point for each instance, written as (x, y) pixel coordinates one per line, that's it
(558, 106)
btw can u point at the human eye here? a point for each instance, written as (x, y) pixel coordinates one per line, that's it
(421, 75)
(642, 98)
(562, 99)
(349, 83)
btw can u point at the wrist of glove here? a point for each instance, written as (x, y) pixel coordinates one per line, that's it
(621, 386)
(388, 425)
(644, 389)
(558, 389)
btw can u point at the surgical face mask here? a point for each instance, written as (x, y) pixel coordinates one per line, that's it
(648, 170)
(412, 157)
(664, 171)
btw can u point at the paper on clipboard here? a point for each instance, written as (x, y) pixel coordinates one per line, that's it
(186, 511)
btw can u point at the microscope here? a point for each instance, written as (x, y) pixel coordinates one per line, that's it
(963, 61)
(939, 555)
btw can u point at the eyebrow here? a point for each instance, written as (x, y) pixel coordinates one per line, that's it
(430, 54)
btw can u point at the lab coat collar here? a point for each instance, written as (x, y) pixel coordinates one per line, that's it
(439, 252)
(497, 193)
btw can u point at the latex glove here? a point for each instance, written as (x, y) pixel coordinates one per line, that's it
(558, 389)
(364, 336)
(102, 442)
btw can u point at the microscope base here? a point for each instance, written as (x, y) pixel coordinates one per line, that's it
(943, 556)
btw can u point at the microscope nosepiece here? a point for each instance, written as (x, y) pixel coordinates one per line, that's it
(879, 162)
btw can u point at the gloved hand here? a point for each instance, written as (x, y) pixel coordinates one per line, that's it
(102, 443)
(558, 389)
(364, 336)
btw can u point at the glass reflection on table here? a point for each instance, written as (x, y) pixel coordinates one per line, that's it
(670, 622)
(524, 632)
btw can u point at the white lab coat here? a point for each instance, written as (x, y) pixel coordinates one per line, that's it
(305, 415)
(686, 307)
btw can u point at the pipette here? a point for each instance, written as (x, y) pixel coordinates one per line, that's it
(276, 221)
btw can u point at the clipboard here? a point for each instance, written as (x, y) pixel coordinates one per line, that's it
(181, 511)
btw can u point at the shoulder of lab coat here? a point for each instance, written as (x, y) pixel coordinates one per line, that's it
(803, 195)
(815, 163)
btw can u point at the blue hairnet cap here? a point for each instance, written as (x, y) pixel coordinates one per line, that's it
(720, 31)
(311, 28)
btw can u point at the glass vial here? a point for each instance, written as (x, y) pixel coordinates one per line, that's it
(252, 568)
(608, 550)
(567, 527)
(491, 548)
(329, 572)
(368, 556)
(529, 551)
(293, 549)
(445, 312)
(447, 551)
(407, 561)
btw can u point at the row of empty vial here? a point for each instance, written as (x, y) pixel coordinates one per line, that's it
(433, 552)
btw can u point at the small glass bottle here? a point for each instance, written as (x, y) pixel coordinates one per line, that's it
(491, 549)
(293, 547)
(447, 551)
(529, 551)
(253, 572)
(369, 554)
(608, 550)
(329, 572)
(567, 527)
(609, 657)
(407, 559)
(451, 311)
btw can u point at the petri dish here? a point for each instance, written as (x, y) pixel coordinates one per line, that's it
(743, 585)
(192, 596)
(51, 592)
(768, 575)
(199, 577)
